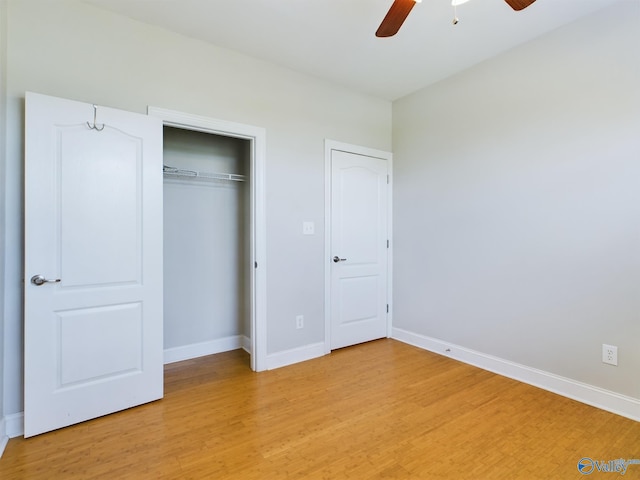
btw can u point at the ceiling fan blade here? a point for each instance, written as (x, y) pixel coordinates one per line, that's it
(395, 18)
(519, 4)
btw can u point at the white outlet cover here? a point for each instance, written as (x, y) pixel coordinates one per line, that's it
(610, 354)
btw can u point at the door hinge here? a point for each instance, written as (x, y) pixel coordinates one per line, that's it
(387, 179)
(387, 243)
(387, 308)
(255, 264)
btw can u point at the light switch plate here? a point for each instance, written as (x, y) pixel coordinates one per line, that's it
(308, 228)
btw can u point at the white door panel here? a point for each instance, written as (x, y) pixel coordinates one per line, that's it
(93, 220)
(359, 239)
(91, 164)
(87, 336)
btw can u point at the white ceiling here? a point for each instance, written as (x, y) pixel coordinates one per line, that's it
(334, 39)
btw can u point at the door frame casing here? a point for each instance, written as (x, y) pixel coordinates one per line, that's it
(257, 137)
(330, 146)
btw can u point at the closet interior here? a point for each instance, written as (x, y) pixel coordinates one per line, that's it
(207, 247)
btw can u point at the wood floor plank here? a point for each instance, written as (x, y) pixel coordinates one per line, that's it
(379, 410)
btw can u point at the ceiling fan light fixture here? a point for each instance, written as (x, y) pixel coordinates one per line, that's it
(400, 9)
(455, 4)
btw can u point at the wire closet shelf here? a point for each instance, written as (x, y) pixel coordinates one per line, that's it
(169, 171)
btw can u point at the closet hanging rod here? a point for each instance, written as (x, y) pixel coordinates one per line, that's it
(178, 172)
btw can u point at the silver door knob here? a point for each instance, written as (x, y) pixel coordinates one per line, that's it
(337, 259)
(39, 280)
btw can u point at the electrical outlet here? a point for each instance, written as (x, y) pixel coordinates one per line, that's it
(610, 354)
(299, 321)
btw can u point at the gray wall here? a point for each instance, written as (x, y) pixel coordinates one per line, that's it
(3, 156)
(206, 246)
(517, 203)
(69, 49)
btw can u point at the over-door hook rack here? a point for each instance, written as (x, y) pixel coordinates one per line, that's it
(95, 125)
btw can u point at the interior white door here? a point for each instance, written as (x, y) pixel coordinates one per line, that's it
(359, 248)
(93, 262)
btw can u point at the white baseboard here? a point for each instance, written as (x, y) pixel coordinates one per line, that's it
(187, 352)
(597, 397)
(246, 344)
(4, 438)
(14, 425)
(295, 355)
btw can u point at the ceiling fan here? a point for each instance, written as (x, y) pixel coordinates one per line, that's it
(400, 10)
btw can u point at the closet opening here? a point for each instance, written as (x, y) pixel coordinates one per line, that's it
(214, 237)
(207, 248)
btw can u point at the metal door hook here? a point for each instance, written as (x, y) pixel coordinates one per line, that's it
(95, 125)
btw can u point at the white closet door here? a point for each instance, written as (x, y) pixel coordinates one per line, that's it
(93, 262)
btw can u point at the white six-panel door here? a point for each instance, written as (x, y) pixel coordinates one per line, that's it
(359, 248)
(93, 235)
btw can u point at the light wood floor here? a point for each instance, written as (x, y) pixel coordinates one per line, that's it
(378, 410)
